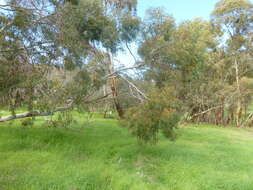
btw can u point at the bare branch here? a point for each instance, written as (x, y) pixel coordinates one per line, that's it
(123, 69)
(135, 87)
(131, 52)
(246, 121)
(208, 110)
(29, 114)
(97, 99)
(35, 113)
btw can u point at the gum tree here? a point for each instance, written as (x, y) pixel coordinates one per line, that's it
(56, 54)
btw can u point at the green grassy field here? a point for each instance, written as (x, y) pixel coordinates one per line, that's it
(100, 155)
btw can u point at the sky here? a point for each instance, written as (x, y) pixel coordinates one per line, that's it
(180, 9)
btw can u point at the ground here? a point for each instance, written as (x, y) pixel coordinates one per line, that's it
(100, 155)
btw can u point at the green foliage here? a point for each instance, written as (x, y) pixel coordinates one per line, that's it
(130, 27)
(125, 5)
(157, 23)
(234, 16)
(191, 40)
(205, 62)
(178, 53)
(50, 55)
(159, 113)
(227, 6)
(27, 122)
(63, 119)
(22, 18)
(157, 30)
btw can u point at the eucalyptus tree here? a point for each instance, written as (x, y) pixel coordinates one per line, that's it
(54, 54)
(177, 55)
(235, 20)
(157, 29)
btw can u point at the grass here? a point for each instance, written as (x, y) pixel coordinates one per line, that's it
(102, 156)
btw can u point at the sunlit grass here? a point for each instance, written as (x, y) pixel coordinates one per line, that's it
(100, 155)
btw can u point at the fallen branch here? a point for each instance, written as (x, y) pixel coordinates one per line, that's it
(206, 111)
(246, 121)
(39, 113)
(34, 113)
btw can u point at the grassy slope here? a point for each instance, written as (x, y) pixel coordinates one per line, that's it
(102, 156)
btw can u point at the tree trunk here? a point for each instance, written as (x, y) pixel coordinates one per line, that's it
(239, 107)
(113, 86)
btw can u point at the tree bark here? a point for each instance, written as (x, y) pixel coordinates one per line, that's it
(238, 111)
(113, 86)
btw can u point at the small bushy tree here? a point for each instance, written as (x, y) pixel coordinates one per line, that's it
(159, 113)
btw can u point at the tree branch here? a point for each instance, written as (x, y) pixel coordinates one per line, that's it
(6, 26)
(246, 121)
(123, 69)
(34, 113)
(135, 87)
(97, 99)
(131, 52)
(206, 111)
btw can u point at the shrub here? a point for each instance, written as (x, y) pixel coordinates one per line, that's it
(64, 119)
(27, 122)
(158, 113)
